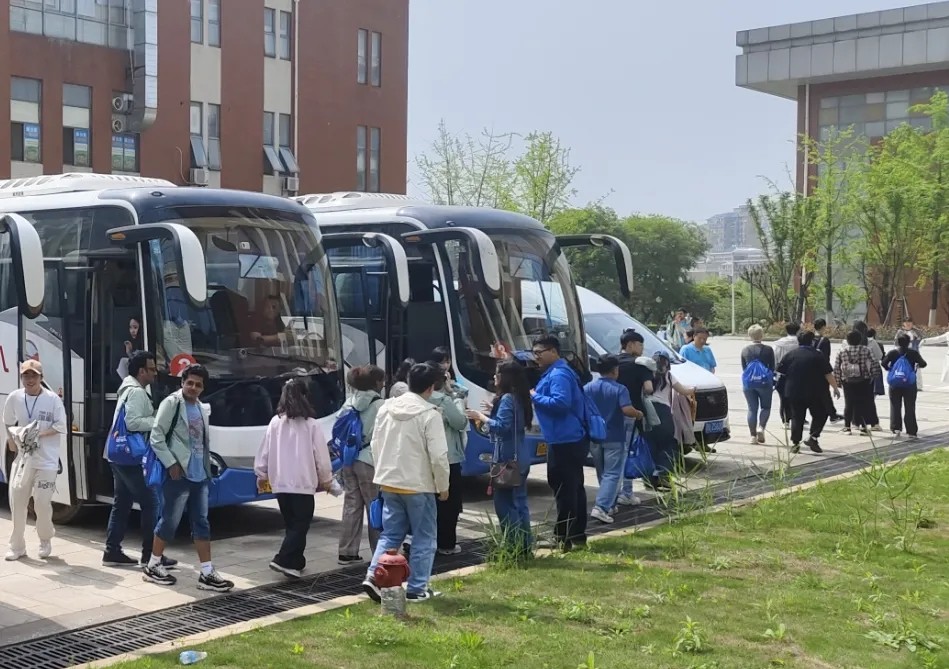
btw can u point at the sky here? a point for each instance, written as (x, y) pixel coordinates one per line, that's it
(641, 91)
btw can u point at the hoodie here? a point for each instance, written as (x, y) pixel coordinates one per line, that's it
(559, 404)
(367, 403)
(409, 446)
(455, 425)
(293, 456)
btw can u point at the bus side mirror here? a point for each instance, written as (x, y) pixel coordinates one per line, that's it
(189, 255)
(621, 255)
(26, 251)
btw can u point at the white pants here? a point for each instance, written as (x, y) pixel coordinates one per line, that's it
(26, 482)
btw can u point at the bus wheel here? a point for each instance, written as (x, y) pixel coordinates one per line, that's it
(63, 514)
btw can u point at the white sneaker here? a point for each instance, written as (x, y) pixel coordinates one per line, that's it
(13, 556)
(601, 515)
(46, 549)
(627, 500)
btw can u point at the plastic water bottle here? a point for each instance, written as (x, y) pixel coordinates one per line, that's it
(191, 656)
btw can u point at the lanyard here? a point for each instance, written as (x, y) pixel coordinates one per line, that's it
(29, 409)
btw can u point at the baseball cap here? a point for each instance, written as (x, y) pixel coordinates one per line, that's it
(31, 366)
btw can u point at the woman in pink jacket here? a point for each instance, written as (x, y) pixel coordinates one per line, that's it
(295, 459)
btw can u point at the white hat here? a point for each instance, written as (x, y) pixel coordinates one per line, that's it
(647, 362)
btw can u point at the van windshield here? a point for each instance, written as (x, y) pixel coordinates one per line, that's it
(606, 330)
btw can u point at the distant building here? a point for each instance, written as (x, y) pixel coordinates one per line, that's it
(731, 230)
(720, 264)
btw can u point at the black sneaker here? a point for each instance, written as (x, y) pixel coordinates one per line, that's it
(423, 596)
(370, 588)
(158, 574)
(814, 445)
(213, 581)
(347, 560)
(119, 559)
(796, 448)
(166, 561)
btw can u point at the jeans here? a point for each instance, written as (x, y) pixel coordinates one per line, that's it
(130, 487)
(565, 463)
(402, 514)
(662, 440)
(632, 428)
(609, 459)
(759, 408)
(297, 512)
(515, 518)
(903, 399)
(449, 510)
(817, 405)
(179, 495)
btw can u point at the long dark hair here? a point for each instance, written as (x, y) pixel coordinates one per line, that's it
(402, 373)
(295, 400)
(512, 378)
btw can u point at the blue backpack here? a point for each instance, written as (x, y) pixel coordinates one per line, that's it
(757, 375)
(347, 436)
(902, 374)
(591, 419)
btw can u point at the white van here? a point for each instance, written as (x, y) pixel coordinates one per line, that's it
(605, 323)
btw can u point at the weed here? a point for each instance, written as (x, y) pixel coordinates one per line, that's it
(297, 649)
(776, 634)
(690, 639)
(580, 612)
(382, 631)
(720, 563)
(590, 662)
(642, 611)
(471, 640)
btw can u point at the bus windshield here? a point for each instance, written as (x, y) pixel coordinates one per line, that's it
(537, 297)
(269, 314)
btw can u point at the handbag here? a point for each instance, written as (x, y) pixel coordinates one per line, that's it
(507, 474)
(124, 447)
(639, 462)
(152, 468)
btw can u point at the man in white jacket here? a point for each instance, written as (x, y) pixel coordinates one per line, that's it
(411, 458)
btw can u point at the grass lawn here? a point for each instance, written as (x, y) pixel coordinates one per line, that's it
(847, 574)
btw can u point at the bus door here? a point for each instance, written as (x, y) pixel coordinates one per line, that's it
(371, 280)
(621, 255)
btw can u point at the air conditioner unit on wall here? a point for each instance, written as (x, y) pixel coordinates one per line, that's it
(199, 176)
(291, 184)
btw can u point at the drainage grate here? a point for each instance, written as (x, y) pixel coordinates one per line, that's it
(105, 640)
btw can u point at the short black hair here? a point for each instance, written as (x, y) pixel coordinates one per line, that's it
(805, 338)
(423, 376)
(139, 361)
(440, 354)
(683, 310)
(690, 333)
(196, 370)
(548, 341)
(698, 331)
(871, 332)
(606, 364)
(854, 338)
(820, 324)
(903, 341)
(694, 320)
(629, 336)
(792, 328)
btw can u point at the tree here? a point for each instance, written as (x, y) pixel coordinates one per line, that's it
(784, 222)
(543, 177)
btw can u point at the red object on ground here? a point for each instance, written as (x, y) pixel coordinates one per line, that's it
(392, 569)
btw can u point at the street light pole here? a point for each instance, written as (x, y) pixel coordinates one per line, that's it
(734, 329)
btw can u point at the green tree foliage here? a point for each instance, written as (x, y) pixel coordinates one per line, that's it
(663, 250)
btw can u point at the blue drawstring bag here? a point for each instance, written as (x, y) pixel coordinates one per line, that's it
(124, 447)
(639, 463)
(152, 468)
(375, 513)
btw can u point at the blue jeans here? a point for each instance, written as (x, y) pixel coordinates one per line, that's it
(130, 487)
(756, 397)
(609, 458)
(515, 518)
(627, 487)
(178, 496)
(416, 514)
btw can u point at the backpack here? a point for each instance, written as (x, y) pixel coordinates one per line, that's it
(757, 375)
(346, 442)
(851, 370)
(902, 374)
(123, 447)
(592, 421)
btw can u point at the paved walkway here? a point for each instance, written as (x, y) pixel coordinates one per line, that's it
(71, 589)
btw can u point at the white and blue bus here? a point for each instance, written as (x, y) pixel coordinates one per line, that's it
(470, 269)
(236, 281)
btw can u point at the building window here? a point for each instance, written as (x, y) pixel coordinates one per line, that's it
(270, 32)
(361, 158)
(286, 22)
(214, 22)
(77, 103)
(362, 60)
(286, 145)
(874, 115)
(197, 21)
(374, 146)
(25, 98)
(375, 59)
(214, 136)
(285, 133)
(272, 164)
(125, 152)
(103, 22)
(199, 157)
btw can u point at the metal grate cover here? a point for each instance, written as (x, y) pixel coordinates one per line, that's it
(105, 640)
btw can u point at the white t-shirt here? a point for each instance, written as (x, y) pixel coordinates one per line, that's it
(48, 410)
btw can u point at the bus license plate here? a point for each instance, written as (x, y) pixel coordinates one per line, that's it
(714, 426)
(542, 449)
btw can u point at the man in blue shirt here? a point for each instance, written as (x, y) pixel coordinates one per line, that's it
(559, 406)
(699, 352)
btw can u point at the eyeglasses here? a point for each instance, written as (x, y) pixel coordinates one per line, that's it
(539, 351)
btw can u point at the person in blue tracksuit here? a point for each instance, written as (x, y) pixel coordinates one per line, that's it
(559, 406)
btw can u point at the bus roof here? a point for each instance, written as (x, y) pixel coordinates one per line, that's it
(75, 182)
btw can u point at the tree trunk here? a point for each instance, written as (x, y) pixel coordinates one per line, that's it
(934, 300)
(829, 289)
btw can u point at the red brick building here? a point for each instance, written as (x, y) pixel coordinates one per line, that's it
(863, 70)
(280, 96)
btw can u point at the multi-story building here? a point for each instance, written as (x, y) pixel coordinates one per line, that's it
(732, 230)
(863, 70)
(280, 96)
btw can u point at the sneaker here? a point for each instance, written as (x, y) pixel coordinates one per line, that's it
(796, 447)
(846, 430)
(13, 556)
(814, 445)
(760, 437)
(166, 562)
(346, 560)
(286, 571)
(46, 549)
(450, 551)
(601, 515)
(370, 588)
(865, 432)
(213, 581)
(119, 559)
(754, 439)
(896, 433)
(158, 574)
(627, 500)
(836, 418)
(423, 596)
(614, 510)
(877, 428)
(913, 436)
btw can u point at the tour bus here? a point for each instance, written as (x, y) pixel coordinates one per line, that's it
(236, 281)
(468, 268)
